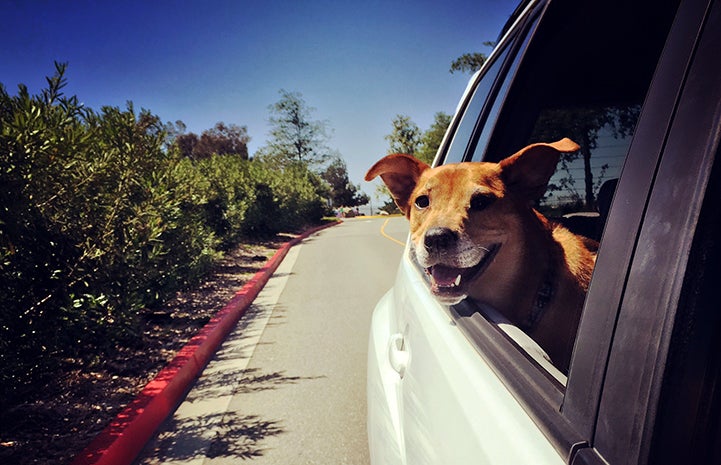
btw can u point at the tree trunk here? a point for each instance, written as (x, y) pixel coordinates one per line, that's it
(587, 173)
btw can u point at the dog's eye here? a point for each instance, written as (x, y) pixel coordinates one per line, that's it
(422, 201)
(481, 201)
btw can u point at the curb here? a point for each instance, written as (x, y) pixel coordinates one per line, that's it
(128, 433)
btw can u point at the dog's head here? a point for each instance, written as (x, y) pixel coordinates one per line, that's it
(462, 215)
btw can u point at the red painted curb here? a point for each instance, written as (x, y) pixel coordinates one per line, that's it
(126, 436)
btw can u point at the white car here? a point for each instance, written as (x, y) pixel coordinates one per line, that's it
(638, 85)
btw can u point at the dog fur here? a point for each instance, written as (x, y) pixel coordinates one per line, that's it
(475, 232)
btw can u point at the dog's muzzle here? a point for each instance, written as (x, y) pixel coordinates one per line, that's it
(452, 261)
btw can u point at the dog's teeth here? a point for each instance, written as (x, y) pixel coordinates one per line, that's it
(458, 281)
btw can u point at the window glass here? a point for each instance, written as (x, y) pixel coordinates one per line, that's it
(478, 147)
(584, 76)
(473, 110)
(580, 191)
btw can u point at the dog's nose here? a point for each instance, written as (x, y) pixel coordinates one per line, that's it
(440, 238)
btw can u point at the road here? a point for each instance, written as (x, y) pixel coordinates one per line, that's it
(288, 385)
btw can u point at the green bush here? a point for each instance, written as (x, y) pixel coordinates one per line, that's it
(282, 199)
(98, 220)
(256, 198)
(88, 212)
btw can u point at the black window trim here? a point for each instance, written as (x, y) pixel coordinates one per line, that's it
(625, 434)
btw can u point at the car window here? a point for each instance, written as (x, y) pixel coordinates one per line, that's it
(468, 122)
(584, 76)
(485, 129)
(482, 108)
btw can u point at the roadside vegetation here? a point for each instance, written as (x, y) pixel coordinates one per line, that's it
(105, 214)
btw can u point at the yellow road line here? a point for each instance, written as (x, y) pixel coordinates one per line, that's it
(384, 234)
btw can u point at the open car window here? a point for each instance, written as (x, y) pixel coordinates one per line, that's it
(584, 76)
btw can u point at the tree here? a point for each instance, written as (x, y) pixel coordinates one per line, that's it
(583, 124)
(470, 62)
(222, 139)
(294, 136)
(185, 143)
(432, 138)
(405, 137)
(343, 192)
(172, 131)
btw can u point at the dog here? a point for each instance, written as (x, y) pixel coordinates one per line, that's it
(476, 234)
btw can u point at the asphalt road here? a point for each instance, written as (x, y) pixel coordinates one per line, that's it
(288, 386)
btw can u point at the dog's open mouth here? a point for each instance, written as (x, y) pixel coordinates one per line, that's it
(450, 284)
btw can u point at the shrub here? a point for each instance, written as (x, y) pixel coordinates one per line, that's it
(297, 198)
(94, 225)
(99, 220)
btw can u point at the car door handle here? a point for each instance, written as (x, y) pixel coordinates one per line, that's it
(397, 354)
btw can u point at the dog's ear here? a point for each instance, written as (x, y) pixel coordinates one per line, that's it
(527, 172)
(400, 173)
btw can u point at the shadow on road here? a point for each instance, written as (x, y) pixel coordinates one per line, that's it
(205, 426)
(245, 382)
(220, 434)
(235, 436)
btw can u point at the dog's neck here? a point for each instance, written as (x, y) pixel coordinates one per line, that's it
(548, 319)
(543, 298)
(532, 260)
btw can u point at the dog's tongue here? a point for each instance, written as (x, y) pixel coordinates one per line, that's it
(445, 276)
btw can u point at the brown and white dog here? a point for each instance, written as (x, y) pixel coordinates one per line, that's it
(475, 232)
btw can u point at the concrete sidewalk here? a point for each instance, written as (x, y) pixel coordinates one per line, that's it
(205, 428)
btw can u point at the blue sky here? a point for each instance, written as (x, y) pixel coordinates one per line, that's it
(357, 64)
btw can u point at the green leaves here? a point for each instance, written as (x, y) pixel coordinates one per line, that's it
(294, 136)
(99, 219)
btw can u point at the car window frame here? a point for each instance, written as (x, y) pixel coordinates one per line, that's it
(510, 47)
(688, 158)
(569, 417)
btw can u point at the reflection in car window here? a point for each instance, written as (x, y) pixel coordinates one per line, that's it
(580, 192)
(585, 77)
(479, 145)
(470, 118)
